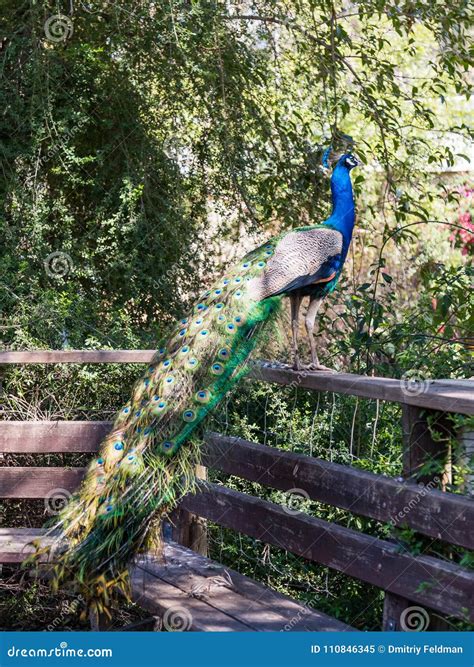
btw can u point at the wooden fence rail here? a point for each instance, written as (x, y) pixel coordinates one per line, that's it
(444, 516)
(440, 585)
(445, 395)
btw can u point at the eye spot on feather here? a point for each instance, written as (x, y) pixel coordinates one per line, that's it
(147, 431)
(217, 292)
(198, 322)
(138, 413)
(126, 411)
(118, 446)
(219, 306)
(160, 405)
(224, 353)
(169, 379)
(217, 368)
(226, 281)
(184, 320)
(204, 333)
(189, 416)
(221, 318)
(192, 363)
(146, 382)
(203, 396)
(261, 265)
(167, 363)
(161, 352)
(200, 307)
(246, 266)
(239, 320)
(184, 349)
(182, 333)
(167, 445)
(237, 280)
(100, 461)
(230, 327)
(238, 294)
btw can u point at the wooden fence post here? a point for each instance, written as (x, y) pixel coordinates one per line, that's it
(189, 529)
(418, 449)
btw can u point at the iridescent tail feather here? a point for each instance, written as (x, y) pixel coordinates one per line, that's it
(147, 463)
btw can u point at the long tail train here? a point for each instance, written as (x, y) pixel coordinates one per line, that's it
(142, 469)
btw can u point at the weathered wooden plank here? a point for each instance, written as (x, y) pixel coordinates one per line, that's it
(445, 395)
(441, 585)
(444, 516)
(44, 437)
(440, 515)
(226, 591)
(297, 616)
(31, 482)
(198, 592)
(16, 543)
(77, 357)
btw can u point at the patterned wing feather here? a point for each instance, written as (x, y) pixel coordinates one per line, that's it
(301, 258)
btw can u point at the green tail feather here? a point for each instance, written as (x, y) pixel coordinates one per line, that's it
(146, 464)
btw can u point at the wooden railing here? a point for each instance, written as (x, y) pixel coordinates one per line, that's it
(440, 585)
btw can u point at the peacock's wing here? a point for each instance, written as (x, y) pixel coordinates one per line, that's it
(301, 258)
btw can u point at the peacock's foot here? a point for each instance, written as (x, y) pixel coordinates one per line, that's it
(320, 368)
(298, 366)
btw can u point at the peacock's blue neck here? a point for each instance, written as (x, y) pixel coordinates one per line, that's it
(343, 208)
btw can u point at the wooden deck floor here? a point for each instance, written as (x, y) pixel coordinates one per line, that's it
(193, 593)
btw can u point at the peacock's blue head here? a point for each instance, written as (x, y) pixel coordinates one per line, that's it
(349, 161)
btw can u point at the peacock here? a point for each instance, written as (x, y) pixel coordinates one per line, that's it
(146, 463)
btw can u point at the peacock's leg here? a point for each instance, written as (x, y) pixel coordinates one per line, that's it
(313, 308)
(295, 302)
